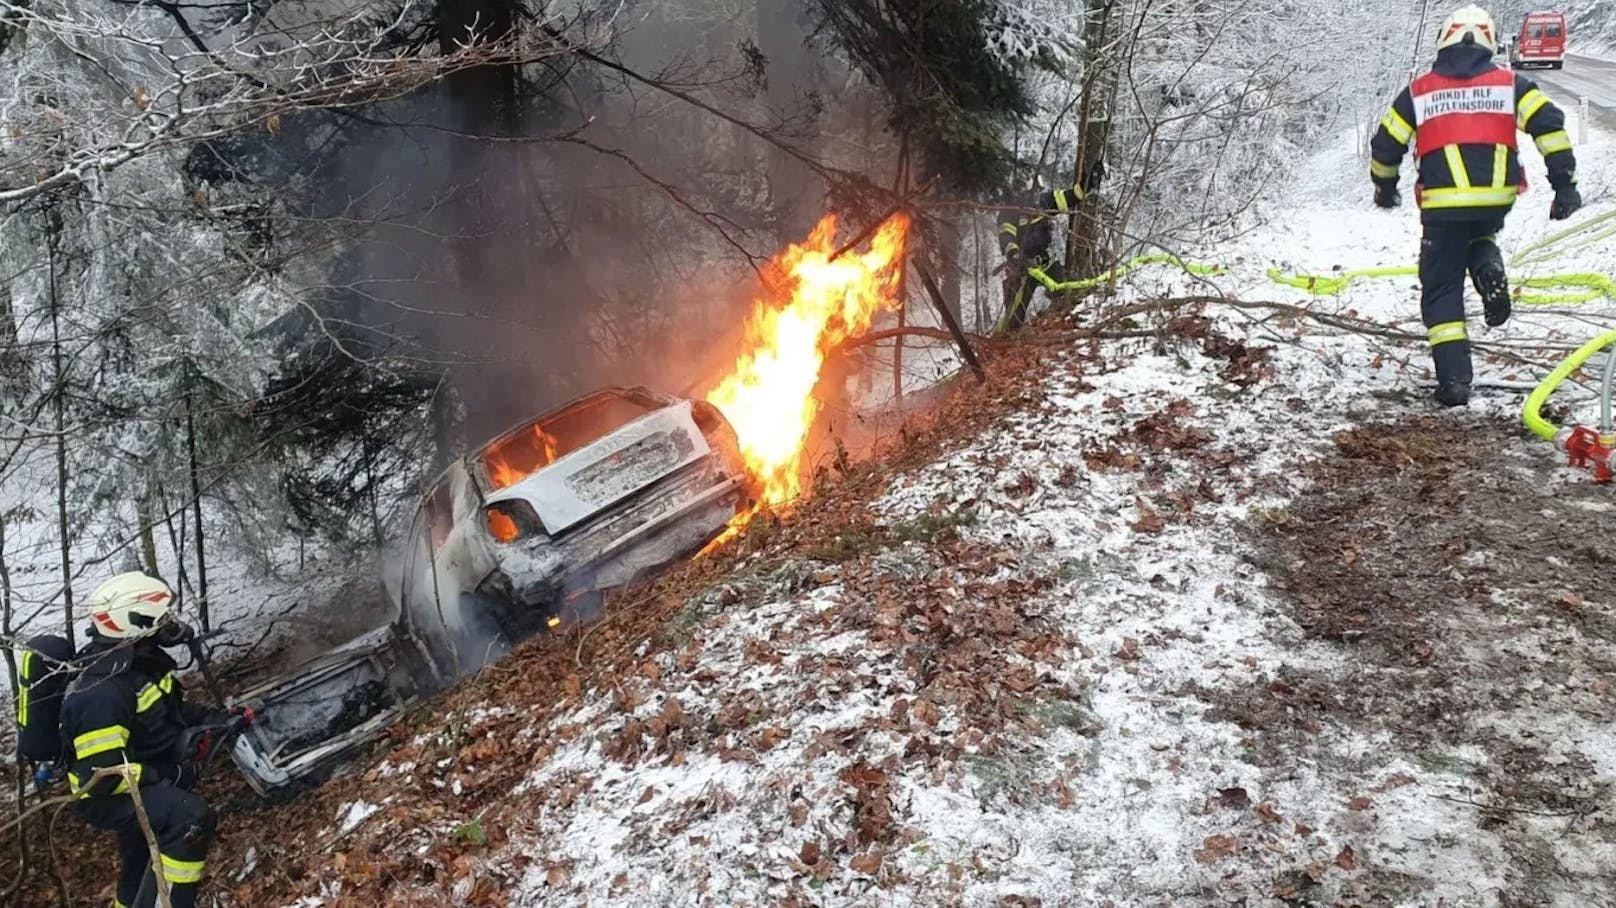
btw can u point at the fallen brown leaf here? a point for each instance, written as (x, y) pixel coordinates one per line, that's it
(1347, 859)
(1215, 848)
(868, 863)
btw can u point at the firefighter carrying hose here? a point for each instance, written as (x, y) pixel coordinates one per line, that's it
(1462, 117)
(1025, 239)
(125, 707)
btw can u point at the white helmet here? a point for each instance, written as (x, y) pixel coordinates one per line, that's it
(130, 605)
(1472, 23)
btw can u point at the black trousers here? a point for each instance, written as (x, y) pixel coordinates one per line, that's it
(1447, 252)
(184, 826)
(1019, 289)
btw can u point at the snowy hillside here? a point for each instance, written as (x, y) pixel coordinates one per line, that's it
(1223, 616)
(1195, 600)
(1592, 24)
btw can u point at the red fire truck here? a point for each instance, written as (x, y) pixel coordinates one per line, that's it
(1541, 42)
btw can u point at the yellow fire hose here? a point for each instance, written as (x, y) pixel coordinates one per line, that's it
(1532, 413)
(1054, 286)
(1594, 285)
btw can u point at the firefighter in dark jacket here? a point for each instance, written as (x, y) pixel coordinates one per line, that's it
(125, 708)
(1462, 118)
(1025, 238)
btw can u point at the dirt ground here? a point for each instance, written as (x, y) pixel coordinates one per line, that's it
(1464, 575)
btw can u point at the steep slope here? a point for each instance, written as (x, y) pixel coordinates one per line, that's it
(1195, 603)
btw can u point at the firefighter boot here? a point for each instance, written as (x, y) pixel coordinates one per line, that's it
(1453, 393)
(1490, 280)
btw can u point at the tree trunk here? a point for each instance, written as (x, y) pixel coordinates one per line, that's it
(196, 510)
(1084, 255)
(59, 408)
(367, 447)
(148, 534)
(6, 611)
(950, 241)
(897, 341)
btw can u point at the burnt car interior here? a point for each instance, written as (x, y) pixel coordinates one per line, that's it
(530, 447)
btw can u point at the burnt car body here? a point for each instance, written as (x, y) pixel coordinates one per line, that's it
(524, 534)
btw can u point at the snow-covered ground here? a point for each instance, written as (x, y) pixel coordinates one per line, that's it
(1063, 667)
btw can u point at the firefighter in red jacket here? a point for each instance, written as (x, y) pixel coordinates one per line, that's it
(1462, 117)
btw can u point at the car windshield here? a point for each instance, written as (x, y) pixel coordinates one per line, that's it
(527, 449)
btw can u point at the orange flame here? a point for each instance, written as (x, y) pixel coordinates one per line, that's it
(809, 306)
(517, 458)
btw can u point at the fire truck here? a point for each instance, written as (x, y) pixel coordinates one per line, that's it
(1542, 41)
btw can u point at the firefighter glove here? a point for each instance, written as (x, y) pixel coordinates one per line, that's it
(1387, 197)
(184, 775)
(175, 632)
(1566, 202)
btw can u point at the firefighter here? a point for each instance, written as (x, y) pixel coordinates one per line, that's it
(1025, 238)
(1462, 117)
(125, 707)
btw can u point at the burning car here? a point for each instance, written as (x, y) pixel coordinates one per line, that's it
(524, 534)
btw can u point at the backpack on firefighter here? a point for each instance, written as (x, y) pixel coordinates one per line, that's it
(45, 669)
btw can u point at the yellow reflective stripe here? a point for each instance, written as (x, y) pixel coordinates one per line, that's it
(100, 740)
(1466, 197)
(148, 697)
(136, 769)
(1383, 171)
(1500, 164)
(1064, 198)
(22, 688)
(1551, 142)
(181, 873)
(1456, 166)
(151, 693)
(1447, 333)
(1397, 126)
(1529, 104)
(1007, 228)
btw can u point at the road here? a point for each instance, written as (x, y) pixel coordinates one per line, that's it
(1582, 76)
